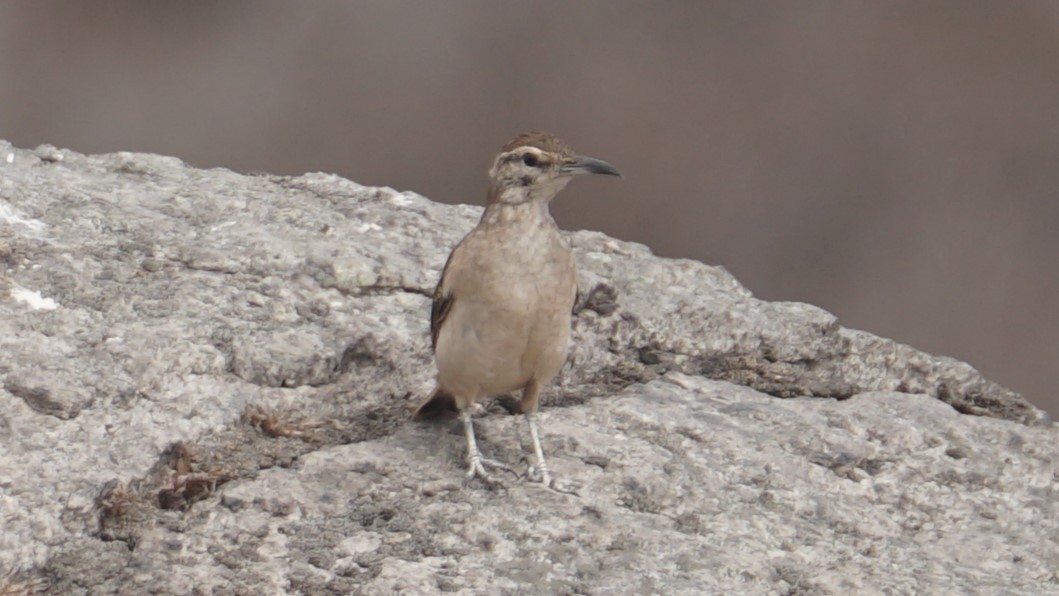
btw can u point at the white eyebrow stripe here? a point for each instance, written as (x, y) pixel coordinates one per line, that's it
(517, 153)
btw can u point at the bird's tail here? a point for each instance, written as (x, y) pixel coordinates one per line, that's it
(439, 403)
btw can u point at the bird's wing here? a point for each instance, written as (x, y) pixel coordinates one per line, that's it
(443, 300)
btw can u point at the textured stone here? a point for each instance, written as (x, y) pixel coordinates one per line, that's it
(205, 377)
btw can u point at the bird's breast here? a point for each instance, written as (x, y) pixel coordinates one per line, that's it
(511, 316)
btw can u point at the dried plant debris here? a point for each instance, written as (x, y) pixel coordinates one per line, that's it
(281, 422)
(123, 512)
(188, 480)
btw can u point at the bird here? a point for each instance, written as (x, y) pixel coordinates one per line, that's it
(501, 314)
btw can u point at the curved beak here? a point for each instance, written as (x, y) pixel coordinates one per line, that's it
(583, 164)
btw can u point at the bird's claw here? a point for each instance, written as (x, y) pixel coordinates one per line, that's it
(533, 474)
(477, 467)
(540, 475)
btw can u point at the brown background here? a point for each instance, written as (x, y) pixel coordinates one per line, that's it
(895, 162)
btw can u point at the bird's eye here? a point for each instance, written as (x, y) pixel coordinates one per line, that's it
(529, 159)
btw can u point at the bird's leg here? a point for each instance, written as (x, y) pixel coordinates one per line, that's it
(530, 395)
(542, 474)
(475, 462)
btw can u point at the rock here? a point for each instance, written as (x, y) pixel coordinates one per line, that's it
(205, 380)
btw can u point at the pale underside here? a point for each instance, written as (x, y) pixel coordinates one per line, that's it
(509, 323)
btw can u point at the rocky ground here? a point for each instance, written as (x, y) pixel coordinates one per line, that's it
(205, 379)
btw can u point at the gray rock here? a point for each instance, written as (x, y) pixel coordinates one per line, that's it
(205, 378)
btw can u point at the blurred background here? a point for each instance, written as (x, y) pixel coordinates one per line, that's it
(894, 162)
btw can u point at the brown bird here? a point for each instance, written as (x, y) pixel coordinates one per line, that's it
(501, 314)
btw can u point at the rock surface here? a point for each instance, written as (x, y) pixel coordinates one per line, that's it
(205, 376)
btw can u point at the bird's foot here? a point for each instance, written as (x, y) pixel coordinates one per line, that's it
(540, 474)
(544, 477)
(477, 467)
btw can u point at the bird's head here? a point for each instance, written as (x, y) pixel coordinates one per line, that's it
(535, 166)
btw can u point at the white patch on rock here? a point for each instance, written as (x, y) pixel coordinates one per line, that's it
(401, 199)
(33, 299)
(365, 542)
(368, 227)
(9, 215)
(221, 226)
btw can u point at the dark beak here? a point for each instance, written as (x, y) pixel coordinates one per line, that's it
(583, 164)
